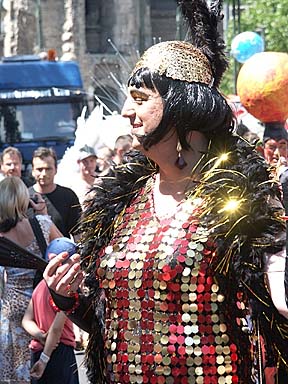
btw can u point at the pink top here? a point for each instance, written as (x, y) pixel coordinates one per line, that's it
(44, 315)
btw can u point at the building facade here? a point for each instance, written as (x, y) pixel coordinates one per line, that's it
(106, 37)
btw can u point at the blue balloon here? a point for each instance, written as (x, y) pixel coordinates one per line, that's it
(245, 45)
(62, 244)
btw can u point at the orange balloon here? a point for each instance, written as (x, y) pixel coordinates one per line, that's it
(262, 86)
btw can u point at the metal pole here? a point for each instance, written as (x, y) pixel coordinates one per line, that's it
(239, 16)
(142, 11)
(234, 34)
(178, 27)
(39, 25)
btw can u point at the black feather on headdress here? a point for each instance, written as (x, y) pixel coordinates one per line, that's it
(203, 22)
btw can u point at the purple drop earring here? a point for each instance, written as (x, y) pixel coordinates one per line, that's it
(180, 162)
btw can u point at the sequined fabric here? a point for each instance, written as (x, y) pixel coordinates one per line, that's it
(178, 60)
(164, 322)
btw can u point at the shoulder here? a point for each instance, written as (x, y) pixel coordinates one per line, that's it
(40, 290)
(60, 189)
(31, 190)
(44, 221)
(284, 176)
(43, 218)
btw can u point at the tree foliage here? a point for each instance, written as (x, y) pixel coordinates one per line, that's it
(267, 17)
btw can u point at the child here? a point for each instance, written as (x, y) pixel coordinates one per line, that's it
(55, 363)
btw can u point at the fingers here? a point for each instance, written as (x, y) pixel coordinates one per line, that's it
(57, 261)
(74, 284)
(64, 277)
(36, 371)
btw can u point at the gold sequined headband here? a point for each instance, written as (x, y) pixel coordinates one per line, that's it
(179, 60)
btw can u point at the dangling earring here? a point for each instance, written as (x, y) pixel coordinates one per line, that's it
(180, 162)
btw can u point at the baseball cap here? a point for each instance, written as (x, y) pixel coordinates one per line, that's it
(85, 152)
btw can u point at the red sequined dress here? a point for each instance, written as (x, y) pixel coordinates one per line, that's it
(164, 322)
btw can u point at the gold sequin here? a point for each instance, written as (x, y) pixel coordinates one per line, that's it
(178, 60)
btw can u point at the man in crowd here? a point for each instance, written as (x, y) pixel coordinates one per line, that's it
(62, 203)
(275, 141)
(11, 162)
(123, 144)
(87, 161)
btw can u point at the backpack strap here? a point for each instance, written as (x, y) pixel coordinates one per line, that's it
(38, 235)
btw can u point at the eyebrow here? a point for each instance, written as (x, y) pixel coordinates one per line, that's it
(136, 92)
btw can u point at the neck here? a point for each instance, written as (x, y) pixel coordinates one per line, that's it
(175, 184)
(89, 179)
(44, 188)
(175, 181)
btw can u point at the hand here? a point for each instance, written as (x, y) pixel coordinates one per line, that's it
(38, 369)
(38, 204)
(64, 278)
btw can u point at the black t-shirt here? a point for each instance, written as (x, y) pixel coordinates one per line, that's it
(64, 208)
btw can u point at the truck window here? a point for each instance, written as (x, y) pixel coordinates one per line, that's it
(23, 122)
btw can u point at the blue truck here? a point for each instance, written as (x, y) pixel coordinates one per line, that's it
(40, 102)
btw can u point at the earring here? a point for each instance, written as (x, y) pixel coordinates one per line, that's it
(180, 162)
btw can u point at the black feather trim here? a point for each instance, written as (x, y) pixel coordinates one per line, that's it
(13, 255)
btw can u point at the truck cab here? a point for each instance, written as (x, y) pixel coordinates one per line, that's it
(40, 102)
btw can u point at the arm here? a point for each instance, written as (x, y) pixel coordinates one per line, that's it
(51, 343)
(54, 232)
(2, 280)
(30, 326)
(275, 270)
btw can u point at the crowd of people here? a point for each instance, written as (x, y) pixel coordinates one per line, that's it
(181, 234)
(25, 311)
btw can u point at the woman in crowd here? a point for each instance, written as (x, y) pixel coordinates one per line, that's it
(179, 243)
(18, 282)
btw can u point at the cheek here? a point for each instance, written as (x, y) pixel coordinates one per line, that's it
(283, 151)
(267, 153)
(156, 114)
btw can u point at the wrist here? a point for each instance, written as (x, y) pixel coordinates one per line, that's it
(44, 358)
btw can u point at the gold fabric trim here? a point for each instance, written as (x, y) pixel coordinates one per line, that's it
(178, 60)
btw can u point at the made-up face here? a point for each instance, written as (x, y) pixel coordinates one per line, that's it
(144, 108)
(274, 149)
(44, 170)
(11, 165)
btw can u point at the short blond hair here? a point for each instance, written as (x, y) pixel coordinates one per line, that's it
(11, 151)
(14, 199)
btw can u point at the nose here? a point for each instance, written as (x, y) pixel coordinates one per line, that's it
(128, 110)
